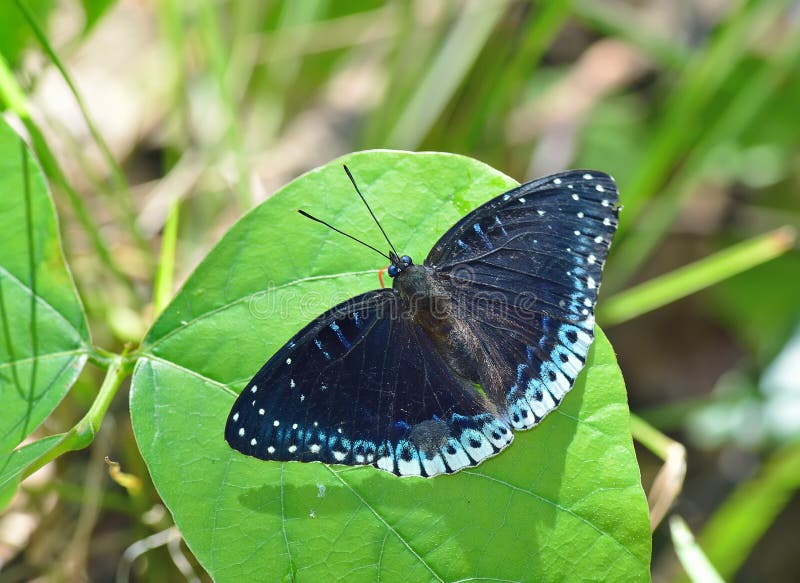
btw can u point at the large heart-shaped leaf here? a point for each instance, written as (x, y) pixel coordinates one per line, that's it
(44, 339)
(564, 500)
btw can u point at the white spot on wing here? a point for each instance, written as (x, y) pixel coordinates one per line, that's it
(408, 468)
(458, 459)
(385, 463)
(241, 432)
(435, 466)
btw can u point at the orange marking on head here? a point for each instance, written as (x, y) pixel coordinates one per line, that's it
(380, 278)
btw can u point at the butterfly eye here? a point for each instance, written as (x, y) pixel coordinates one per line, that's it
(406, 260)
(393, 270)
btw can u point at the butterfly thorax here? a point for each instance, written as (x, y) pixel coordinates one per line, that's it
(423, 300)
(428, 304)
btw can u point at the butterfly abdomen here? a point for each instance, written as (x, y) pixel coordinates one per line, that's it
(431, 306)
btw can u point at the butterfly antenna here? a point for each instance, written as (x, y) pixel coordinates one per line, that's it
(364, 200)
(313, 218)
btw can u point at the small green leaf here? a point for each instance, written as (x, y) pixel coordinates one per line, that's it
(564, 500)
(14, 464)
(44, 340)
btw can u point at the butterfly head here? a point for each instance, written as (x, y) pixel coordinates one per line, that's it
(399, 264)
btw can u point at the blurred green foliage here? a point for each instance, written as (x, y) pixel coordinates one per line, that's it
(692, 107)
(15, 36)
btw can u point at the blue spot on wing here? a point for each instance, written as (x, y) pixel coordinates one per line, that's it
(335, 327)
(499, 223)
(322, 350)
(486, 240)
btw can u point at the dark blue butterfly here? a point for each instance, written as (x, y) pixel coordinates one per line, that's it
(433, 375)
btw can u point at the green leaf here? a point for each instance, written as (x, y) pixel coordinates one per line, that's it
(94, 11)
(564, 499)
(15, 34)
(44, 340)
(14, 464)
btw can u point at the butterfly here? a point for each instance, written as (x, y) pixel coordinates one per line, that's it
(484, 337)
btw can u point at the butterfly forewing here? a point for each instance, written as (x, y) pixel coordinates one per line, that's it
(362, 384)
(524, 270)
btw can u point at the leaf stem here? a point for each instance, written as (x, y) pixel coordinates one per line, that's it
(739, 523)
(101, 358)
(669, 480)
(691, 556)
(82, 434)
(687, 280)
(165, 272)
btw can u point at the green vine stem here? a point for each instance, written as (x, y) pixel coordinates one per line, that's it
(82, 434)
(669, 480)
(694, 561)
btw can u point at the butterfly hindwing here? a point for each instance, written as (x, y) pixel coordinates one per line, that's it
(524, 270)
(363, 385)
